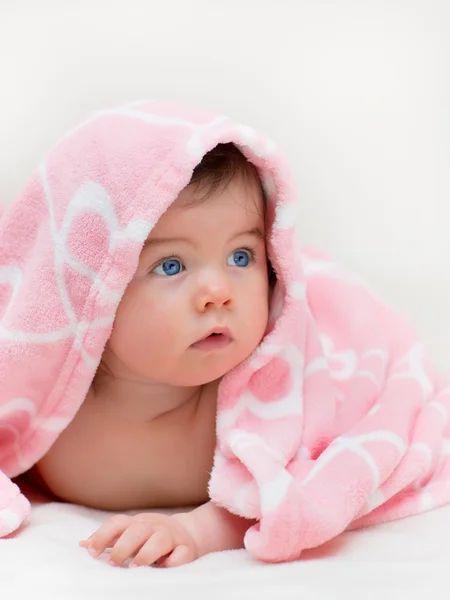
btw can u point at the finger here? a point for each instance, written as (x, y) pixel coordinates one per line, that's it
(130, 542)
(107, 534)
(87, 542)
(160, 544)
(180, 556)
(93, 551)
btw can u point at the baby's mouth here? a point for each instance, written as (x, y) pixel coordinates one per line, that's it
(215, 340)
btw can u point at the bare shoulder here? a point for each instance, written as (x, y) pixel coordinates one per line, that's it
(111, 459)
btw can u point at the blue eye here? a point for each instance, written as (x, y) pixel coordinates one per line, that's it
(239, 258)
(169, 266)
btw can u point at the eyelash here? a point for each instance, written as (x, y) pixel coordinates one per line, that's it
(164, 258)
(248, 249)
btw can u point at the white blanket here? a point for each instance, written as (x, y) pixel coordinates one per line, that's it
(407, 559)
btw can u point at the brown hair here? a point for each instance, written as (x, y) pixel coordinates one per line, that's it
(219, 167)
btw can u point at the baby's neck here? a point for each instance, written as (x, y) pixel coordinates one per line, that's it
(140, 401)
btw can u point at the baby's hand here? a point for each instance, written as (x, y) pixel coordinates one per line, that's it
(148, 537)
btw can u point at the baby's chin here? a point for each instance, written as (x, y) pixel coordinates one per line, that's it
(199, 379)
(205, 375)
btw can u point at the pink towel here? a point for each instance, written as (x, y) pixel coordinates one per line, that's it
(337, 420)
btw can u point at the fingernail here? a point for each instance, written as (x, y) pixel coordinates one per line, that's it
(112, 563)
(132, 565)
(93, 552)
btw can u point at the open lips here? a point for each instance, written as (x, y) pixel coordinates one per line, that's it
(218, 338)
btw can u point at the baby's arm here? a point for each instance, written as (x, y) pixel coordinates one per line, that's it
(168, 540)
(215, 528)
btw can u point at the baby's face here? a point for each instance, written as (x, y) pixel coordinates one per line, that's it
(202, 269)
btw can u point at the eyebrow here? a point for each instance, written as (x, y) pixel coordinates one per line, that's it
(254, 231)
(170, 240)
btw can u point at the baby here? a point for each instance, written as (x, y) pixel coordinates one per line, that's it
(144, 436)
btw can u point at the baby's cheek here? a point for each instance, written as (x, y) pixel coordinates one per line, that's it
(256, 312)
(160, 325)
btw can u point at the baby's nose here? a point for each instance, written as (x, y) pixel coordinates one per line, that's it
(214, 291)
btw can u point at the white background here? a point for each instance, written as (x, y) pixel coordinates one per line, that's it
(356, 93)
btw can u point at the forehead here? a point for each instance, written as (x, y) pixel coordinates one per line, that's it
(240, 203)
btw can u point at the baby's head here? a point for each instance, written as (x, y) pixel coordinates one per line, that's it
(203, 270)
